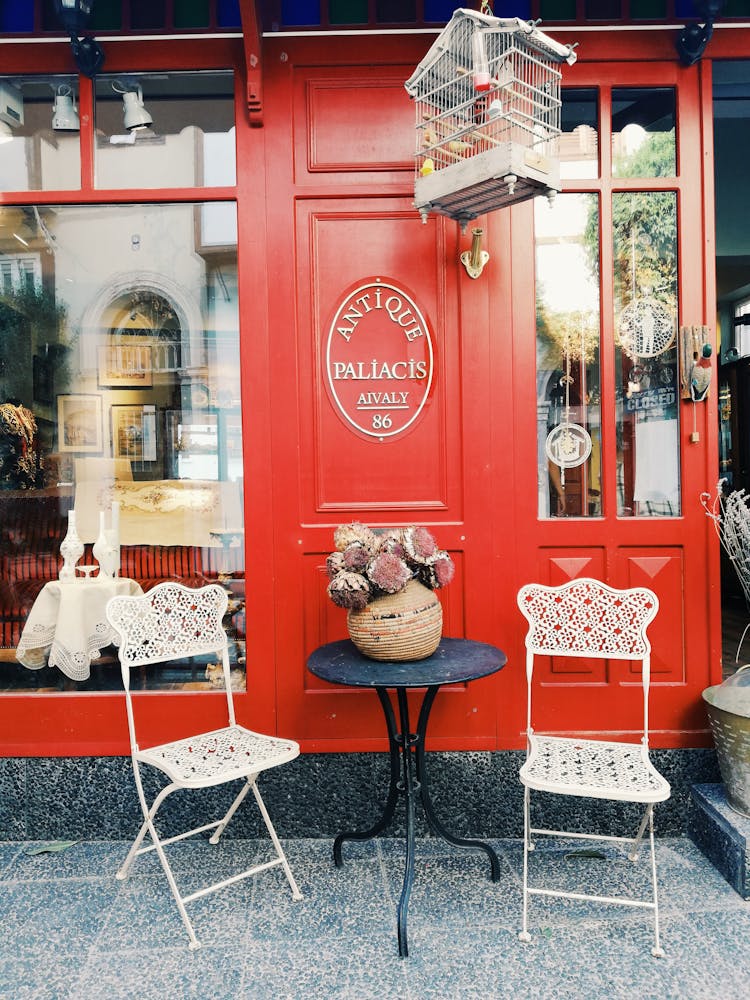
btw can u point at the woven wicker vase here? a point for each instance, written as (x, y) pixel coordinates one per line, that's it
(402, 626)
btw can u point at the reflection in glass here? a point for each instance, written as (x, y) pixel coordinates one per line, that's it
(39, 140)
(188, 142)
(120, 368)
(645, 328)
(568, 373)
(643, 132)
(579, 141)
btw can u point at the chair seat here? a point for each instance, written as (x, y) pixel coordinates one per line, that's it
(595, 768)
(218, 756)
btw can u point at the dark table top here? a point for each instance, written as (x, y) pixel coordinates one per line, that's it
(454, 661)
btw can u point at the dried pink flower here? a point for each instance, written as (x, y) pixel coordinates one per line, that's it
(443, 568)
(349, 590)
(389, 573)
(356, 557)
(334, 564)
(420, 546)
(355, 532)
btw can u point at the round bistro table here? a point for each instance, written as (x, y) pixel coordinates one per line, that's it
(455, 661)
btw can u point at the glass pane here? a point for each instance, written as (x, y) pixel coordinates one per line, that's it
(106, 16)
(603, 10)
(40, 148)
(165, 130)
(347, 11)
(147, 14)
(228, 14)
(298, 12)
(119, 337)
(645, 318)
(567, 350)
(395, 11)
(557, 10)
(579, 141)
(191, 13)
(643, 132)
(441, 11)
(16, 16)
(648, 10)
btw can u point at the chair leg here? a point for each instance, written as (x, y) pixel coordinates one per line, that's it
(524, 934)
(296, 894)
(214, 839)
(633, 853)
(149, 814)
(194, 942)
(657, 951)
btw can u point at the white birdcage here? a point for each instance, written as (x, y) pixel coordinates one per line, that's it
(487, 98)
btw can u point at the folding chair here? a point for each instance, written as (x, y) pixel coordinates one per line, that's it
(168, 623)
(586, 618)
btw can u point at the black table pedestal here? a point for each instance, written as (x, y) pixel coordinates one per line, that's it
(455, 661)
(409, 778)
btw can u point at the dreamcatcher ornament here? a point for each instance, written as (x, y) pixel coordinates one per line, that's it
(568, 444)
(646, 328)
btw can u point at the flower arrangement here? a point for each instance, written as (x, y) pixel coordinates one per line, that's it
(367, 564)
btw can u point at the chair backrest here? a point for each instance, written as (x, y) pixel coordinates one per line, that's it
(586, 618)
(168, 623)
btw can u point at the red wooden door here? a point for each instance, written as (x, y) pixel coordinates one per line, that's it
(349, 219)
(674, 555)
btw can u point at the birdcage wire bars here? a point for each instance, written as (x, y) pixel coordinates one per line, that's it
(487, 101)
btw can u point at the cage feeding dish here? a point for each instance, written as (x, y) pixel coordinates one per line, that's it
(487, 99)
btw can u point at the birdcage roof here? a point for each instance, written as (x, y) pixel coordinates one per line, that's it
(431, 71)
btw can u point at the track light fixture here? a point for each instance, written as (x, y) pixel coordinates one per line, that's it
(74, 15)
(64, 113)
(134, 114)
(693, 39)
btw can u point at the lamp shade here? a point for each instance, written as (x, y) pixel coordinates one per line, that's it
(135, 115)
(64, 114)
(74, 15)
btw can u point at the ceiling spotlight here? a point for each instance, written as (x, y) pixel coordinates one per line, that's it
(64, 114)
(134, 114)
(74, 15)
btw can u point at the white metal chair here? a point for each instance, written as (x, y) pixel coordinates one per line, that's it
(167, 623)
(586, 618)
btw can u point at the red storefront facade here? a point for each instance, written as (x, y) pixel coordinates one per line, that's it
(324, 190)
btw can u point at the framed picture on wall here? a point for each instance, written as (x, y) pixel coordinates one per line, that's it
(134, 432)
(79, 423)
(125, 366)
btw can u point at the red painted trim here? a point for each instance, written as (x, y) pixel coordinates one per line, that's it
(253, 60)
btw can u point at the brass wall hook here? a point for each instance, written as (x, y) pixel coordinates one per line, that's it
(475, 259)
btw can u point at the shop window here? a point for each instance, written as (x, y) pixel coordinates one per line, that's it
(643, 132)
(164, 130)
(567, 339)
(118, 371)
(645, 329)
(39, 148)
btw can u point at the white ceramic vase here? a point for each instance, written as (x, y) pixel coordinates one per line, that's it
(104, 551)
(71, 549)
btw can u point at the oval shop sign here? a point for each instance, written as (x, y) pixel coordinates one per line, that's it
(379, 359)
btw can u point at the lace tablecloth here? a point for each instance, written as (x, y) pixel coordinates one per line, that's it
(68, 622)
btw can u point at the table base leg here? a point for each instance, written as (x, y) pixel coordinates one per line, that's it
(393, 787)
(408, 778)
(435, 825)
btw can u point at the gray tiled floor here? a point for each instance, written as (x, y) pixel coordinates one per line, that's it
(70, 931)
